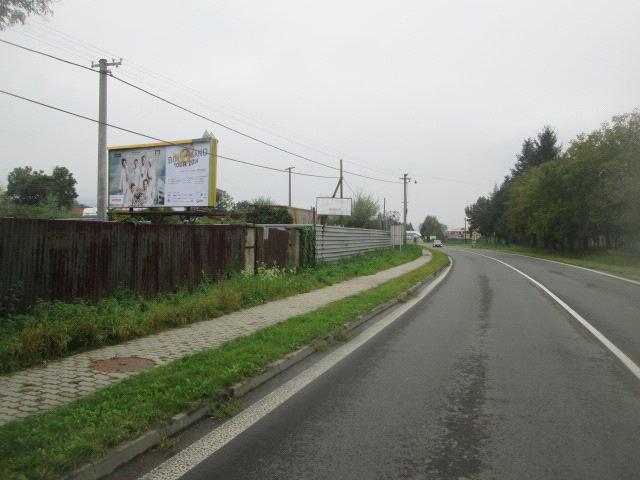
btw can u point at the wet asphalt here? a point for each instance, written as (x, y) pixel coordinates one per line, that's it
(486, 378)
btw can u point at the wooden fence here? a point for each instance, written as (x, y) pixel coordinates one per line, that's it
(65, 260)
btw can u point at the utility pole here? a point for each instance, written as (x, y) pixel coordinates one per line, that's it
(103, 169)
(405, 179)
(384, 214)
(290, 168)
(404, 210)
(464, 232)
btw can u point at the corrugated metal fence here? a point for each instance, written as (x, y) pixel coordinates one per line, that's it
(64, 260)
(334, 243)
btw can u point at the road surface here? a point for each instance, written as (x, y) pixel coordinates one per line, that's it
(486, 378)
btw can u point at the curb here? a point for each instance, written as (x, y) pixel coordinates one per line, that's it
(131, 449)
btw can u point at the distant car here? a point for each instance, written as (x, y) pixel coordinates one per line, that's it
(437, 243)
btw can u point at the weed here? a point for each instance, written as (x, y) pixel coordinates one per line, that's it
(168, 444)
(340, 334)
(225, 410)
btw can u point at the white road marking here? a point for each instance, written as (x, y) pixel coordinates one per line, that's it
(599, 272)
(200, 450)
(594, 331)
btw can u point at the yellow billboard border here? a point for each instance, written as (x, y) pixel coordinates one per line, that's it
(213, 160)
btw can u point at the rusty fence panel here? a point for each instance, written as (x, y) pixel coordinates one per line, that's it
(271, 246)
(65, 260)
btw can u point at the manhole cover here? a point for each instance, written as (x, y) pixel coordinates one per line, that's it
(123, 364)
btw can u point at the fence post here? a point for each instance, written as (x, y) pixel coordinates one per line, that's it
(249, 249)
(293, 248)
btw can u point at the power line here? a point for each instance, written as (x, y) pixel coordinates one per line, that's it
(47, 55)
(158, 97)
(150, 137)
(246, 135)
(195, 95)
(443, 179)
(352, 190)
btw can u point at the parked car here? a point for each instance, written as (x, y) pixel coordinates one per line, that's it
(437, 243)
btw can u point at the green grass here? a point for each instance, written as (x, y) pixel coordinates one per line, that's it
(55, 329)
(48, 445)
(621, 262)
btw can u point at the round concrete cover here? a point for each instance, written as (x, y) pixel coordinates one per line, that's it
(123, 364)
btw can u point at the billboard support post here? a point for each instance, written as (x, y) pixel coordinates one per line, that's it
(102, 200)
(341, 179)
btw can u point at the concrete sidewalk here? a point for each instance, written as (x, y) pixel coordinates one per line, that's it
(39, 389)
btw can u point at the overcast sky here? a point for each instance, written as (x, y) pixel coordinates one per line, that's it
(444, 91)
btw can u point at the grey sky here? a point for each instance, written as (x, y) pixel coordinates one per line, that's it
(441, 90)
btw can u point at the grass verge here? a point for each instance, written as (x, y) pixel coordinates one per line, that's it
(620, 262)
(55, 329)
(48, 445)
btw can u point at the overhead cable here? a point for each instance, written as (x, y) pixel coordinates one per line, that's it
(144, 135)
(237, 114)
(158, 97)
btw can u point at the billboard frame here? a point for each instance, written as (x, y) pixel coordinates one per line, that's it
(212, 199)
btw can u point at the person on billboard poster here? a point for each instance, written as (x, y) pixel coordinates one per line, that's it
(144, 169)
(153, 189)
(124, 177)
(137, 173)
(147, 201)
(127, 201)
(138, 197)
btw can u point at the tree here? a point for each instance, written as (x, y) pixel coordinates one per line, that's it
(27, 186)
(224, 201)
(265, 213)
(543, 149)
(33, 187)
(364, 213)
(392, 217)
(431, 227)
(62, 187)
(17, 11)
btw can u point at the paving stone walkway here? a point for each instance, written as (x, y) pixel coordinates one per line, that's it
(59, 382)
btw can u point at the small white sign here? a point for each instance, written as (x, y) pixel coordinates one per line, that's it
(333, 206)
(396, 235)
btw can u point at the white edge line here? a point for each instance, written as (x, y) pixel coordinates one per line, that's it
(187, 459)
(592, 270)
(594, 331)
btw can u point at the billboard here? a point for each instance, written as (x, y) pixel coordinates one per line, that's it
(333, 206)
(179, 174)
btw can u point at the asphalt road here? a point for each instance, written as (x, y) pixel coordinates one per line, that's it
(486, 378)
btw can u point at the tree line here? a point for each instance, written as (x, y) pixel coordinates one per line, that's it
(587, 196)
(34, 193)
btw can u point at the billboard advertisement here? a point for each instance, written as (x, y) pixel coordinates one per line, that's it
(179, 174)
(333, 206)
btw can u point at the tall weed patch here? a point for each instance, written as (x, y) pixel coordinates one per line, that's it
(55, 329)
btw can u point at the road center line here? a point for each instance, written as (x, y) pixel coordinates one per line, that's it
(594, 331)
(185, 460)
